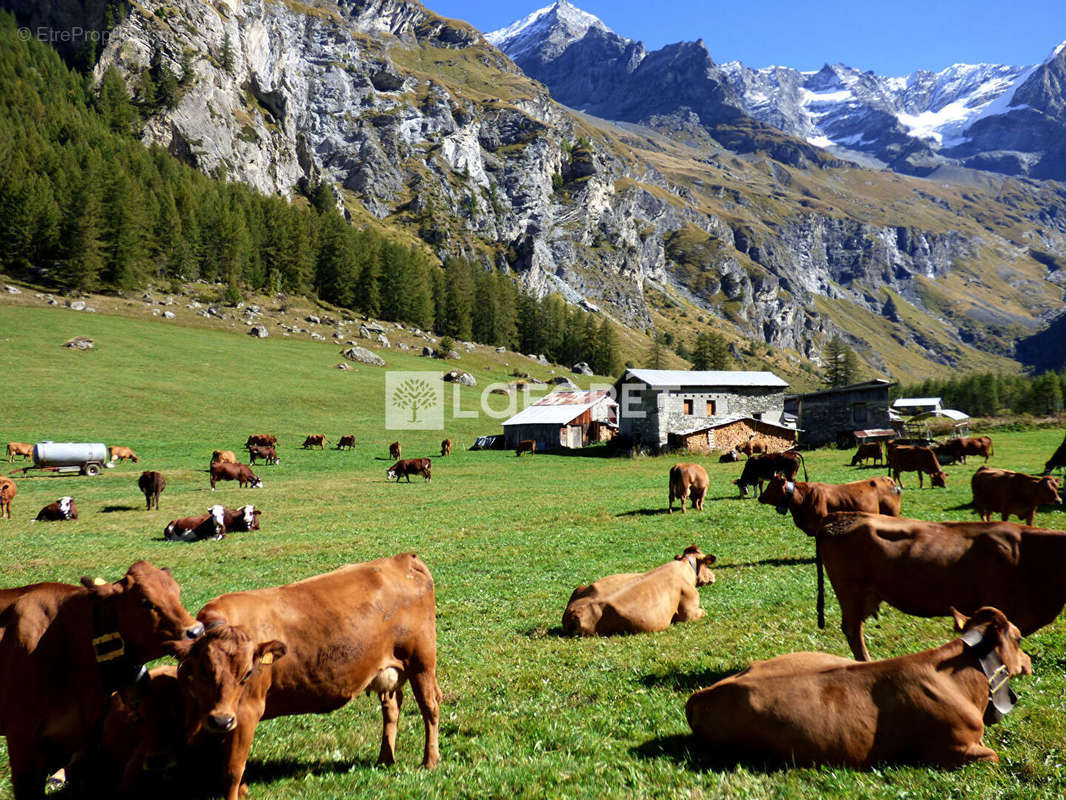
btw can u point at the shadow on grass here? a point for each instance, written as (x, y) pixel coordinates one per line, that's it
(643, 512)
(113, 509)
(687, 681)
(961, 507)
(731, 497)
(688, 752)
(766, 562)
(593, 451)
(540, 632)
(282, 768)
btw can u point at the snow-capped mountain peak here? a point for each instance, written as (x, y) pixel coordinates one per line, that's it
(549, 30)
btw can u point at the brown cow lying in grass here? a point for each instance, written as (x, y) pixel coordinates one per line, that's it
(811, 503)
(687, 481)
(814, 708)
(61, 510)
(637, 602)
(1000, 491)
(929, 568)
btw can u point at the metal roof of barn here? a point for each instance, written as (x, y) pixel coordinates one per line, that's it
(687, 378)
(908, 402)
(557, 408)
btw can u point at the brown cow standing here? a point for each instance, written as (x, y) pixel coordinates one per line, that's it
(928, 568)
(408, 467)
(446, 448)
(394, 451)
(19, 449)
(310, 647)
(263, 439)
(969, 446)
(264, 452)
(526, 446)
(640, 602)
(811, 503)
(910, 458)
(347, 442)
(121, 454)
(64, 649)
(61, 510)
(814, 708)
(1000, 491)
(687, 480)
(866, 452)
(241, 473)
(151, 485)
(223, 456)
(754, 446)
(318, 440)
(8, 490)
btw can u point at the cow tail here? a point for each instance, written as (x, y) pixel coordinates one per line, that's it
(821, 580)
(804, 463)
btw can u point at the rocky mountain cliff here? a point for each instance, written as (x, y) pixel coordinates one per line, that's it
(703, 217)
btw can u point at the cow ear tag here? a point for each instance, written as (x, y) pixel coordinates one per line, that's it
(268, 658)
(99, 582)
(973, 636)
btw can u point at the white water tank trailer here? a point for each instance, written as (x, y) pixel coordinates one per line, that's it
(86, 458)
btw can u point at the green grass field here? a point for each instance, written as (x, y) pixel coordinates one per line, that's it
(526, 713)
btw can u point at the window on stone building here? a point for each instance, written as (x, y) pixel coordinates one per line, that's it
(710, 408)
(688, 407)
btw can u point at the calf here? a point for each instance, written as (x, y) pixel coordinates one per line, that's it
(59, 511)
(264, 452)
(754, 446)
(969, 446)
(121, 454)
(8, 490)
(760, 468)
(639, 602)
(310, 647)
(1000, 491)
(223, 457)
(811, 503)
(729, 458)
(928, 568)
(867, 451)
(1058, 458)
(19, 449)
(318, 440)
(909, 458)
(687, 480)
(394, 451)
(63, 651)
(812, 708)
(526, 446)
(211, 525)
(347, 442)
(241, 473)
(151, 485)
(446, 448)
(408, 467)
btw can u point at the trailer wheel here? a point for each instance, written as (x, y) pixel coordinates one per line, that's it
(91, 469)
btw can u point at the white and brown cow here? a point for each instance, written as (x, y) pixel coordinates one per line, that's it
(61, 510)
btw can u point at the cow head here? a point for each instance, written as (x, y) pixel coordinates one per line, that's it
(219, 669)
(700, 563)
(218, 516)
(939, 479)
(67, 508)
(1047, 491)
(250, 515)
(145, 608)
(990, 627)
(778, 493)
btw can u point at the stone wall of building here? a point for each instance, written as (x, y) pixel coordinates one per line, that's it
(825, 417)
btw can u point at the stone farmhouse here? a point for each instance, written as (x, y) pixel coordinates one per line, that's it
(695, 406)
(834, 415)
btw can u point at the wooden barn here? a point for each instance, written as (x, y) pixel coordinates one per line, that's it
(564, 419)
(833, 415)
(726, 434)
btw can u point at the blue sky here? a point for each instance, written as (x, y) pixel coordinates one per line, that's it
(890, 37)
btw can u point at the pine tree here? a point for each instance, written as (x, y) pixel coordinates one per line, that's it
(656, 357)
(606, 360)
(226, 59)
(459, 298)
(841, 363)
(711, 352)
(113, 102)
(86, 262)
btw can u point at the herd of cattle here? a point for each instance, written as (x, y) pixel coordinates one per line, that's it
(298, 648)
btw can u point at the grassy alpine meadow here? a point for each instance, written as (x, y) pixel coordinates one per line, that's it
(526, 713)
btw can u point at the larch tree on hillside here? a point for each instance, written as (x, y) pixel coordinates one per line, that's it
(841, 363)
